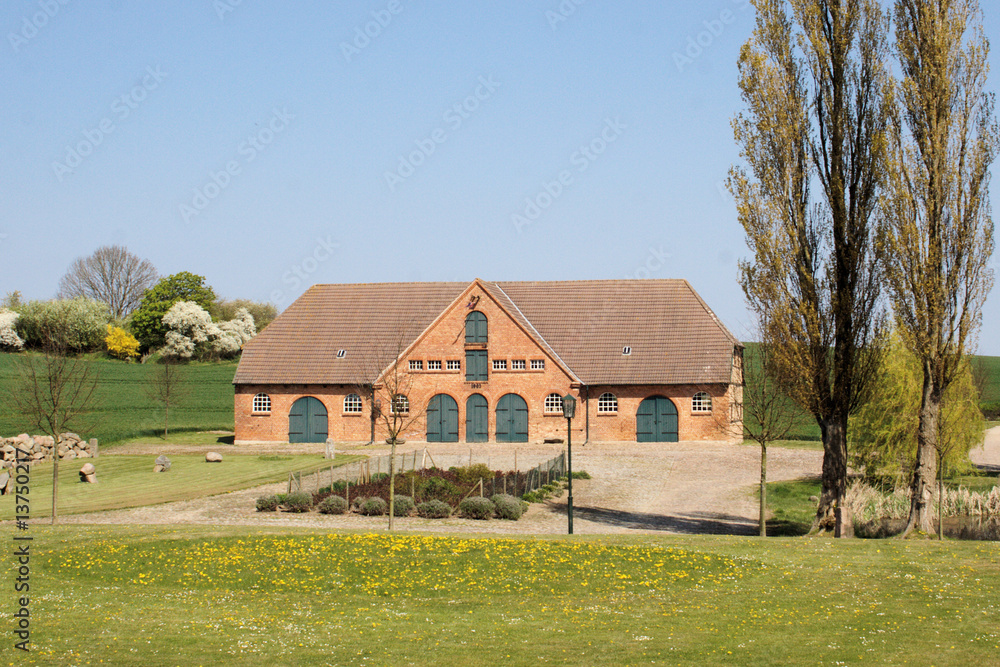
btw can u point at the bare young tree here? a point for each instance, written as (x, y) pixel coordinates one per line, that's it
(166, 385)
(938, 228)
(815, 88)
(53, 390)
(112, 275)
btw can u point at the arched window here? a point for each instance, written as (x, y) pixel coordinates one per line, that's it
(476, 328)
(400, 405)
(607, 403)
(261, 403)
(553, 403)
(701, 402)
(352, 403)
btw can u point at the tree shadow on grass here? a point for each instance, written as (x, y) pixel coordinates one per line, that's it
(695, 523)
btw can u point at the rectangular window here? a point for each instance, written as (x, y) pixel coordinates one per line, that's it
(433, 365)
(454, 365)
(416, 365)
(475, 366)
(499, 364)
(517, 365)
(538, 364)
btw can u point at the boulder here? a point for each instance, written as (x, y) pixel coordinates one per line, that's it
(88, 469)
(88, 473)
(82, 454)
(213, 457)
(161, 464)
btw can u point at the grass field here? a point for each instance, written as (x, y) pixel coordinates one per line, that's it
(123, 411)
(204, 595)
(129, 481)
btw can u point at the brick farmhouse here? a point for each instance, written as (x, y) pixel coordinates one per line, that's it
(647, 361)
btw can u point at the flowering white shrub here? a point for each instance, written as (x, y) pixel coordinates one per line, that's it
(8, 336)
(192, 330)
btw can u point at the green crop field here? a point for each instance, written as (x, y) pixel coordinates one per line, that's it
(121, 409)
(244, 596)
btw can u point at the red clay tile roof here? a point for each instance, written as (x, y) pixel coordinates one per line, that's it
(674, 337)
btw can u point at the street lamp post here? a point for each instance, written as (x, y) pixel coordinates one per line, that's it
(569, 409)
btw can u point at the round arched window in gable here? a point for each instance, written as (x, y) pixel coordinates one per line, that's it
(261, 403)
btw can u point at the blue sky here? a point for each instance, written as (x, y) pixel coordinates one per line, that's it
(269, 146)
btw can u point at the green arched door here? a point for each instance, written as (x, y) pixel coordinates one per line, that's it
(512, 419)
(442, 419)
(307, 421)
(656, 420)
(477, 419)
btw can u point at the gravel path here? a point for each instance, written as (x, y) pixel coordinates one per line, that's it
(703, 487)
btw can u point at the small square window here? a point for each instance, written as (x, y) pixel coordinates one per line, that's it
(261, 403)
(517, 365)
(627, 350)
(341, 354)
(416, 365)
(538, 364)
(499, 364)
(433, 365)
(454, 365)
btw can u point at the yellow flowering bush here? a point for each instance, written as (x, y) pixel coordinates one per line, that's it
(121, 344)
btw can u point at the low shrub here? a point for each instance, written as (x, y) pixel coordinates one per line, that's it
(532, 497)
(524, 506)
(472, 474)
(507, 507)
(581, 474)
(379, 476)
(374, 507)
(434, 509)
(298, 502)
(477, 508)
(358, 501)
(402, 505)
(332, 505)
(267, 503)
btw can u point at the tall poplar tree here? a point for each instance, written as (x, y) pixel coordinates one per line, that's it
(813, 79)
(938, 230)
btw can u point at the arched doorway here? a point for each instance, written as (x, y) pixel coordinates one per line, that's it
(307, 421)
(512, 419)
(656, 420)
(477, 418)
(442, 419)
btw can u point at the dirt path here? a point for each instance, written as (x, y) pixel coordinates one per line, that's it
(703, 487)
(987, 457)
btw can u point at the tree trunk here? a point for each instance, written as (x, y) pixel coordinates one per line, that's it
(941, 498)
(921, 488)
(763, 490)
(392, 483)
(828, 519)
(55, 479)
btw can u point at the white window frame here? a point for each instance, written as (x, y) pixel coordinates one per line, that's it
(517, 365)
(353, 404)
(261, 403)
(499, 364)
(701, 402)
(538, 364)
(416, 365)
(434, 365)
(402, 402)
(607, 404)
(553, 404)
(453, 364)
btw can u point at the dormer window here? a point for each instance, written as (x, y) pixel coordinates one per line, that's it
(627, 350)
(341, 354)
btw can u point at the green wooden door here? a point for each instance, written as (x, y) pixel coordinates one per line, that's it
(307, 421)
(477, 416)
(656, 420)
(442, 419)
(476, 328)
(476, 362)
(512, 419)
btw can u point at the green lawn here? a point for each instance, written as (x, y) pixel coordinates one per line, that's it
(243, 596)
(123, 411)
(129, 481)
